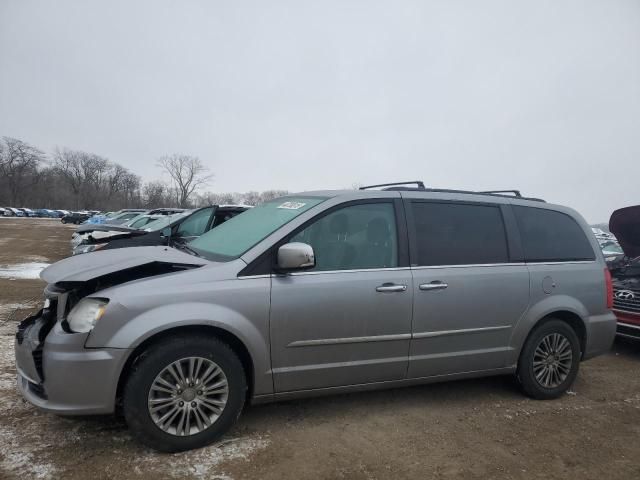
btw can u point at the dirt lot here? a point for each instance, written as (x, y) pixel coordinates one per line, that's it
(470, 429)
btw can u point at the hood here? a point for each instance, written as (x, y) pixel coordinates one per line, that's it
(103, 227)
(81, 268)
(625, 225)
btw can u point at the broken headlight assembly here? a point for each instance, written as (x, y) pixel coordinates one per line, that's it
(84, 316)
(88, 248)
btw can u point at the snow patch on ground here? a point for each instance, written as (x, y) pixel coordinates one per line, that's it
(22, 462)
(22, 271)
(7, 309)
(26, 448)
(202, 463)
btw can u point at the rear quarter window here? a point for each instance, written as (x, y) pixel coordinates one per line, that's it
(551, 236)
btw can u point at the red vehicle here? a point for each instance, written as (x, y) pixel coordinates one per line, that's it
(625, 271)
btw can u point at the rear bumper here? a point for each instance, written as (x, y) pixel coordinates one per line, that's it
(600, 335)
(59, 375)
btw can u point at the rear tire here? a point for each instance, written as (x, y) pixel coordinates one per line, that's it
(183, 354)
(549, 360)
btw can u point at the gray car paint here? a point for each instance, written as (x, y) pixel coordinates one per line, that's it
(299, 329)
(81, 268)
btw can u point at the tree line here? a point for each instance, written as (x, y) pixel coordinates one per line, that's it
(76, 180)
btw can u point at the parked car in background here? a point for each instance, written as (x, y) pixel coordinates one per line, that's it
(116, 218)
(319, 292)
(28, 212)
(75, 217)
(625, 269)
(16, 212)
(611, 250)
(45, 213)
(601, 234)
(141, 220)
(174, 230)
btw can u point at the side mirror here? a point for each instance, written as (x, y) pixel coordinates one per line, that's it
(296, 256)
(166, 232)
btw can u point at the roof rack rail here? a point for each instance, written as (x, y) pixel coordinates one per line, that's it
(402, 186)
(516, 193)
(419, 183)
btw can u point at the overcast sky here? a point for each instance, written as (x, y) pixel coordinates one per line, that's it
(543, 96)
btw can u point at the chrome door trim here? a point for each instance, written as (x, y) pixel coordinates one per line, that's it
(342, 341)
(567, 262)
(358, 270)
(435, 267)
(442, 333)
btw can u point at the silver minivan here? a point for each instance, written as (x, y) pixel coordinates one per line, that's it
(319, 292)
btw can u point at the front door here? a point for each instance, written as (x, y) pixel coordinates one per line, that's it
(468, 291)
(347, 321)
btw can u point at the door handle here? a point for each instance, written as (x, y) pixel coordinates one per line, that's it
(437, 285)
(390, 287)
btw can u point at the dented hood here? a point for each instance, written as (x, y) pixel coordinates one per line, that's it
(81, 268)
(625, 225)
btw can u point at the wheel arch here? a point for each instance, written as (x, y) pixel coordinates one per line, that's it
(575, 321)
(226, 336)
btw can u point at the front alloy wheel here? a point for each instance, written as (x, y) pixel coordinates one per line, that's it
(188, 396)
(184, 392)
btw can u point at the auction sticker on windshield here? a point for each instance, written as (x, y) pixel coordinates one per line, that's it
(292, 205)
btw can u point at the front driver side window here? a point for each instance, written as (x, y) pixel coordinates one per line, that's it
(355, 237)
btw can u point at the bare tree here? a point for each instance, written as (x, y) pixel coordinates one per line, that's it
(94, 181)
(187, 174)
(19, 164)
(156, 194)
(251, 198)
(68, 164)
(271, 194)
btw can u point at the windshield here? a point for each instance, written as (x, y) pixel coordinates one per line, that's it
(164, 221)
(139, 222)
(237, 235)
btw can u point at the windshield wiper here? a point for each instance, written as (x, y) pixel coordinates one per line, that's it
(186, 248)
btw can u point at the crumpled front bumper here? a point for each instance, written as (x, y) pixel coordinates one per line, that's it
(56, 373)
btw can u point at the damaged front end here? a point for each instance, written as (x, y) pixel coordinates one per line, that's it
(625, 270)
(48, 334)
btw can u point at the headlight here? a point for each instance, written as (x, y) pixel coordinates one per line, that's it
(88, 248)
(85, 314)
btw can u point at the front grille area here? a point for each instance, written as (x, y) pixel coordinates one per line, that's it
(37, 359)
(626, 300)
(37, 389)
(628, 330)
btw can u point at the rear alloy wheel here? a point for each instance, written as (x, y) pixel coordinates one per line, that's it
(549, 361)
(184, 392)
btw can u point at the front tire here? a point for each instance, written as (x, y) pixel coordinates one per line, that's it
(549, 361)
(184, 392)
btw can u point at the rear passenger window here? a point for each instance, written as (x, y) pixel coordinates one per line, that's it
(550, 236)
(459, 234)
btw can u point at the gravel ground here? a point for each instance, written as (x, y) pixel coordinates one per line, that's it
(475, 429)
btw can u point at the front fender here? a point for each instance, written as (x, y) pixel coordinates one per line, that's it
(140, 328)
(539, 310)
